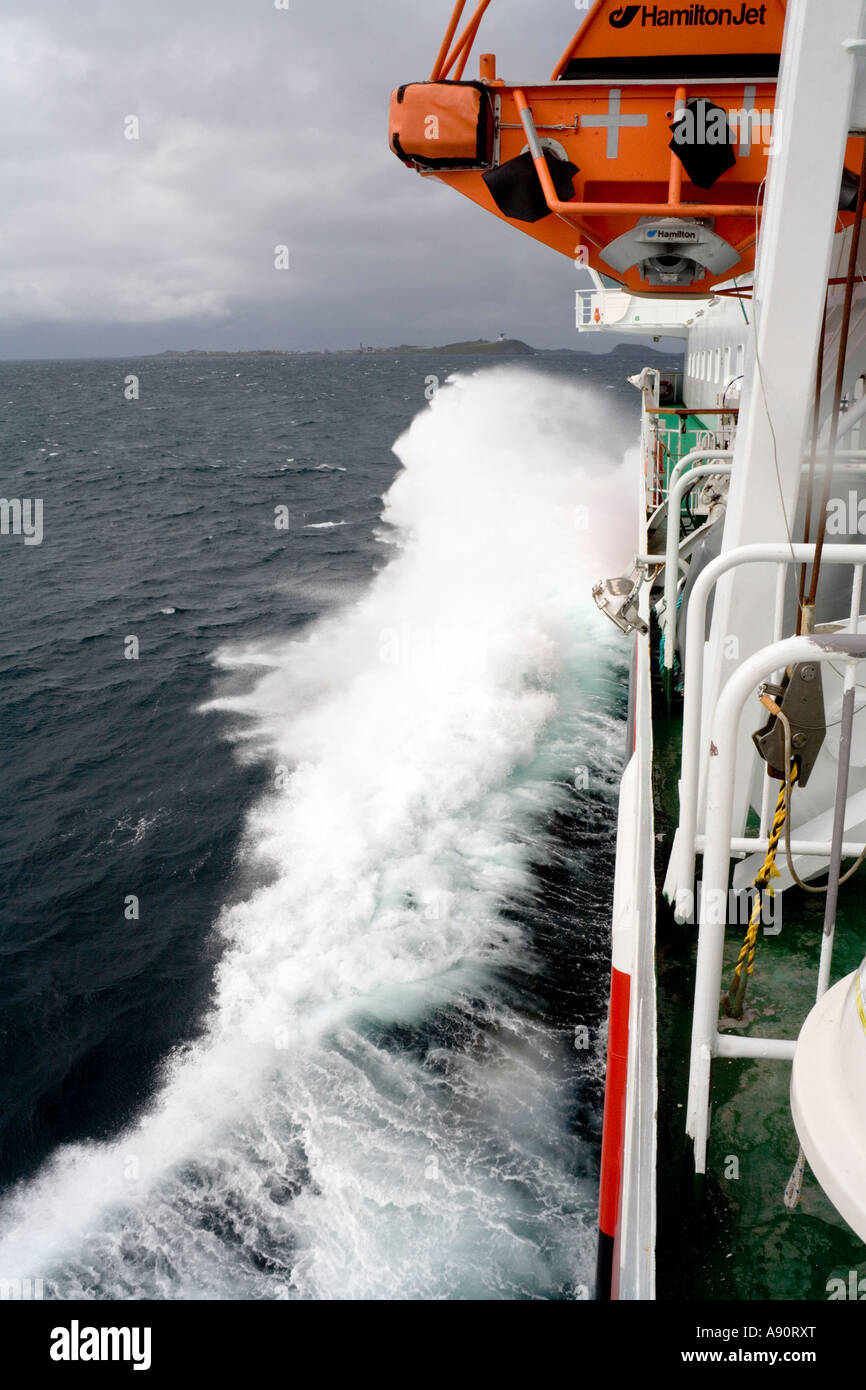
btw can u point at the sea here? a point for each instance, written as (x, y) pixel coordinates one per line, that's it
(311, 736)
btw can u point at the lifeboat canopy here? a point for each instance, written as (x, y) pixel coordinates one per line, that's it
(642, 158)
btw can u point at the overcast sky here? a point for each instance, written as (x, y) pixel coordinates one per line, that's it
(258, 126)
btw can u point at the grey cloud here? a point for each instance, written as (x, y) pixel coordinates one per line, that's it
(257, 127)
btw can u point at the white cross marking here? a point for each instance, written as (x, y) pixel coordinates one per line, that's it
(613, 120)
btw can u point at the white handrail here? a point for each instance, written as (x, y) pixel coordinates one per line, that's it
(696, 456)
(844, 467)
(818, 647)
(677, 492)
(777, 552)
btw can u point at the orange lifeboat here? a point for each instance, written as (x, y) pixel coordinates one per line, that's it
(645, 155)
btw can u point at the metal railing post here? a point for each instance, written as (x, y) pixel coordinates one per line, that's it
(720, 804)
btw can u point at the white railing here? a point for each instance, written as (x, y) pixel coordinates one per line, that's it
(680, 485)
(679, 885)
(707, 1041)
(653, 435)
(847, 463)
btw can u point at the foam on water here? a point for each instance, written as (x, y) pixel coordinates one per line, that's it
(370, 1112)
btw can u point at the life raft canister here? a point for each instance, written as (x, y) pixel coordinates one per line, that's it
(442, 125)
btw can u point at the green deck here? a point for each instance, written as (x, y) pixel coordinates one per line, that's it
(736, 1240)
(681, 434)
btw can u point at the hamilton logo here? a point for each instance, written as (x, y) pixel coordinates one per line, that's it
(656, 16)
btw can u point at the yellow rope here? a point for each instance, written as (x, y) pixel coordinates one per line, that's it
(734, 1000)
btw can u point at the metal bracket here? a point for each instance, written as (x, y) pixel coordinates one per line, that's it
(801, 700)
(619, 598)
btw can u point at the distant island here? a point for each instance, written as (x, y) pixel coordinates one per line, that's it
(500, 347)
(480, 347)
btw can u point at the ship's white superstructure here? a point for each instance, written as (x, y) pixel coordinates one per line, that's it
(754, 349)
(745, 595)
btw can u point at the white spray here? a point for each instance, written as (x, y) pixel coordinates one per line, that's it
(415, 737)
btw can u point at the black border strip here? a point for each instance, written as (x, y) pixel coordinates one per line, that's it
(670, 67)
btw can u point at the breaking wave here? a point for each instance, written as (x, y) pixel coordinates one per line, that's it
(375, 1108)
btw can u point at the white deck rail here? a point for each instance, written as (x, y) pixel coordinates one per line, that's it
(680, 485)
(707, 1041)
(680, 882)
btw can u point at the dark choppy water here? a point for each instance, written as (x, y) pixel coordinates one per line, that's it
(333, 1056)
